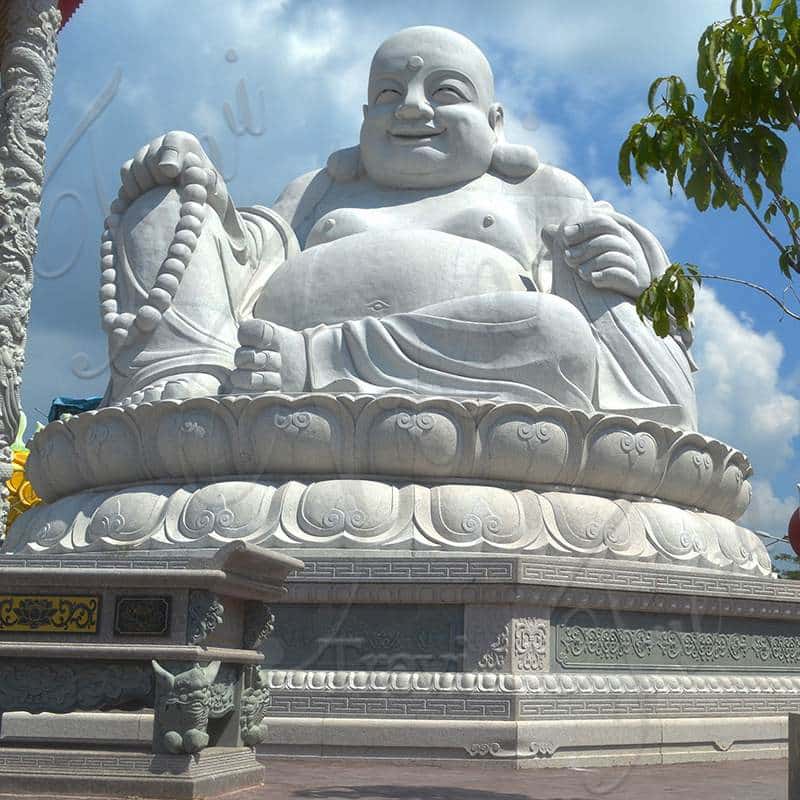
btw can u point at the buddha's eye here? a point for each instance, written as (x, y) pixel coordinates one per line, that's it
(387, 96)
(448, 94)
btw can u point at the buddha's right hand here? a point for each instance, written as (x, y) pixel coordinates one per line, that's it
(161, 162)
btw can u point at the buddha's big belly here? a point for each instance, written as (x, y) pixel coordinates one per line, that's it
(376, 273)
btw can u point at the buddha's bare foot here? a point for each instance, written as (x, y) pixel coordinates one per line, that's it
(180, 387)
(258, 360)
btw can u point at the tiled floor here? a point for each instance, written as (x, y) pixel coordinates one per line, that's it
(310, 780)
(373, 780)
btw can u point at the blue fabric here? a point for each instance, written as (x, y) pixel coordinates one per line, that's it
(71, 405)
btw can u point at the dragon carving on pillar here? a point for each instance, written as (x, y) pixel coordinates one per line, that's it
(27, 67)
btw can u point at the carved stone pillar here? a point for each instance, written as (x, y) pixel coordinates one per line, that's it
(26, 83)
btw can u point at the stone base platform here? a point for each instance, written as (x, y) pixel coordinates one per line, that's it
(530, 661)
(87, 773)
(528, 745)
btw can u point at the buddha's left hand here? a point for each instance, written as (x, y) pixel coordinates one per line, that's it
(596, 247)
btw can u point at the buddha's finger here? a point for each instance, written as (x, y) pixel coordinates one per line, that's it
(615, 278)
(250, 381)
(173, 152)
(606, 261)
(589, 228)
(129, 186)
(169, 161)
(606, 243)
(261, 360)
(152, 159)
(256, 333)
(141, 172)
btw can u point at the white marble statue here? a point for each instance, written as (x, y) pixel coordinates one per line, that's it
(433, 258)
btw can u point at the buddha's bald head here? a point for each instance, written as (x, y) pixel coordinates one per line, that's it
(430, 120)
(430, 47)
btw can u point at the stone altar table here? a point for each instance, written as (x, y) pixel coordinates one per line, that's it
(171, 632)
(422, 372)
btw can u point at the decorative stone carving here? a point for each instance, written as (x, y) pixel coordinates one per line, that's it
(530, 645)
(186, 700)
(259, 625)
(49, 613)
(551, 684)
(205, 613)
(496, 750)
(353, 513)
(142, 615)
(580, 646)
(484, 441)
(254, 706)
(496, 656)
(74, 685)
(26, 76)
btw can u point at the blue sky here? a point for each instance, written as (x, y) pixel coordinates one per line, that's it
(572, 76)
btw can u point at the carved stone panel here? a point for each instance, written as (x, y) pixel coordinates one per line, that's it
(141, 615)
(601, 639)
(39, 613)
(367, 637)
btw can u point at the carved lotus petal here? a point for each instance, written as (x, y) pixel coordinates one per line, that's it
(282, 434)
(518, 445)
(52, 466)
(127, 517)
(734, 493)
(111, 446)
(734, 542)
(690, 475)
(430, 437)
(466, 515)
(196, 438)
(39, 526)
(621, 454)
(230, 510)
(595, 525)
(362, 510)
(676, 534)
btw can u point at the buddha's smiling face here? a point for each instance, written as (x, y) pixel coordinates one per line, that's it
(429, 120)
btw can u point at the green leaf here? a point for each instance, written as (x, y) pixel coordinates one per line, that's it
(651, 94)
(624, 162)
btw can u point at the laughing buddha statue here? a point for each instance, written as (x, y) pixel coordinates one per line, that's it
(433, 258)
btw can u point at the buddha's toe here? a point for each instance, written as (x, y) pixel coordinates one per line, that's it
(250, 381)
(257, 333)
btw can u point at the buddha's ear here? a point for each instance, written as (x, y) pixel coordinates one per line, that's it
(345, 165)
(517, 161)
(364, 110)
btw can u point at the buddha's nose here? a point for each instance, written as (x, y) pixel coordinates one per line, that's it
(414, 107)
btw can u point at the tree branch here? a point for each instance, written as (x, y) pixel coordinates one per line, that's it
(779, 202)
(775, 299)
(750, 210)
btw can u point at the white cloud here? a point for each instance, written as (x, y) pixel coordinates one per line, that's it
(767, 511)
(740, 392)
(743, 401)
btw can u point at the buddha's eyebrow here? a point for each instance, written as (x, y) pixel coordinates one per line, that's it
(448, 72)
(387, 78)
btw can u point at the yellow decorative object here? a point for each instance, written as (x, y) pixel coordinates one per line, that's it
(44, 613)
(21, 495)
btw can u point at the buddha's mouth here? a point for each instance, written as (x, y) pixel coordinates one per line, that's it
(415, 136)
